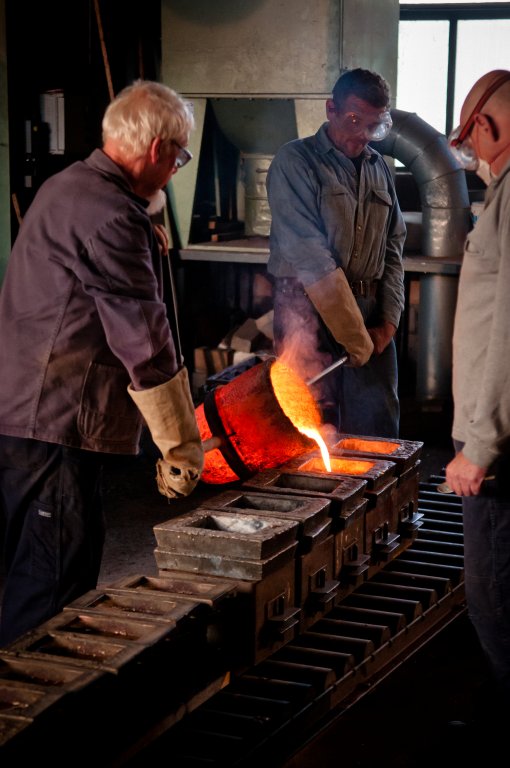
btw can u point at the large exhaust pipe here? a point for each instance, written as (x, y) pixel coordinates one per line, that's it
(445, 224)
(441, 182)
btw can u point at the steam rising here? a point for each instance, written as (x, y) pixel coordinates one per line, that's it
(298, 349)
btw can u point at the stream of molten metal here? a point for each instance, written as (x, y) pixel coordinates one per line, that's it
(298, 404)
(313, 434)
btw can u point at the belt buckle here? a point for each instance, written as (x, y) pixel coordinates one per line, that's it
(360, 288)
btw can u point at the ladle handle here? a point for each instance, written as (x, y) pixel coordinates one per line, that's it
(211, 443)
(327, 370)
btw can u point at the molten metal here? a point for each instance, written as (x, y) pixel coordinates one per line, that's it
(368, 446)
(264, 417)
(294, 397)
(341, 466)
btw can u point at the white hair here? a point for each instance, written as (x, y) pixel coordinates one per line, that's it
(143, 111)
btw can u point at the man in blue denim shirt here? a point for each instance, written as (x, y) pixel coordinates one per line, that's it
(336, 242)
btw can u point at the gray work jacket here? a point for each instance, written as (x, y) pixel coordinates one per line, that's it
(82, 313)
(324, 216)
(481, 338)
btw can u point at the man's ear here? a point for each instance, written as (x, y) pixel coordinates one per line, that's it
(155, 150)
(487, 125)
(330, 107)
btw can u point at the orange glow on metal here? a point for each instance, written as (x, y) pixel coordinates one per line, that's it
(368, 446)
(342, 466)
(294, 397)
(313, 434)
(268, 415)
(216, 469)
(297, 403)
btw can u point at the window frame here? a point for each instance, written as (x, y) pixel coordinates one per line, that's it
(453, 13)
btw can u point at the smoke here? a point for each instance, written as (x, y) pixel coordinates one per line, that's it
(297, 347)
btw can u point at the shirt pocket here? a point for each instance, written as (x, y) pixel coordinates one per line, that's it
(106, 411)
(43, 524)
(338, 210)
(476, 261)
(378, 203)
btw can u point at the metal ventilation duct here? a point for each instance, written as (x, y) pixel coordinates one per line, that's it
(441, 182)
(445, 224)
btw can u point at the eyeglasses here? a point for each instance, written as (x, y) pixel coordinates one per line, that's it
(183, 155)
(458, 140)
(377, 131)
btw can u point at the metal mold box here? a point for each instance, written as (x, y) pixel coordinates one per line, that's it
(214, 533)
(374, 471)
(95, 624)
(170, 609)
(54, 674)
(221, 565)
(26, 700)
(98, 653)
(403, 453)
(341, 492)
(309, 512)
(203, 590)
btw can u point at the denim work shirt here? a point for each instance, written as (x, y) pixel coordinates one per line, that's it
(82, 313)
(325, 216)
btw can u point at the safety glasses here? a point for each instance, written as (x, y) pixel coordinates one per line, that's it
(459, 141)
(356, 125)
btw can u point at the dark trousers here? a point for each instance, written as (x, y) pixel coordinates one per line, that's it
(487, 568)
(50, 500)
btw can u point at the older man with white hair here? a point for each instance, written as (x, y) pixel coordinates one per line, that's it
(87, 353)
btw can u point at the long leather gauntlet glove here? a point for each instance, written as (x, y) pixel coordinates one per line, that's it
(335, 302)
(170, 416)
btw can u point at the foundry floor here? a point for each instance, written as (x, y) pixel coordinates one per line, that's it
(405, 722)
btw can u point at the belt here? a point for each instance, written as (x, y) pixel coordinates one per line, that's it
(364, 287)
(290, 285)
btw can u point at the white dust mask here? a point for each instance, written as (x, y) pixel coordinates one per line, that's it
(484, 171)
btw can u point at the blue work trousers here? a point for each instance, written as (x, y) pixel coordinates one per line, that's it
(54, 530)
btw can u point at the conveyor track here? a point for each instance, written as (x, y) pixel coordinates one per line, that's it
(289, 697)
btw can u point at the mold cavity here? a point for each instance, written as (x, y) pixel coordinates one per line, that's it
(240, 524)
(267, 503)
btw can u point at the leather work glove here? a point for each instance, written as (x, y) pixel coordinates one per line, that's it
(381, 335)
(170, 416)
(334, 301)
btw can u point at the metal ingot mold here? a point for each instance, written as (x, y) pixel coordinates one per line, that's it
(342, 493)
(157, 607)
(310, 513)
(403, 453)
(221, 565)
(203, 590)
(98, 653)
(223, 533)
(374, 471)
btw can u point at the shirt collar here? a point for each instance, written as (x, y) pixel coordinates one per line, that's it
(100, 161)
(325, 144)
